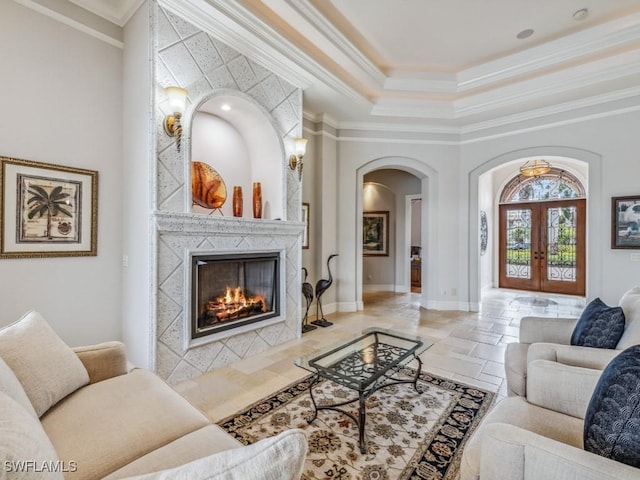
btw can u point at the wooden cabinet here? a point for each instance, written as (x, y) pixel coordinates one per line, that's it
(416, 273)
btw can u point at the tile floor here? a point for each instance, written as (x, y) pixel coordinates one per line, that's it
(467, 346)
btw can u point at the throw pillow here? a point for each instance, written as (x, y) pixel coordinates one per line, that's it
(11, 386)
(25, 449)
(612, 422)
(46, 367)
(599, 326)
(275, 458)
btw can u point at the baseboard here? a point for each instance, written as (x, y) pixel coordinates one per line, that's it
(348, 307)
(403, 289)
(378, 288)
(439, 305)
(328, 309)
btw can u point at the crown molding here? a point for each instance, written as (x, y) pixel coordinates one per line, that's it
(228, 21)
(509, 121)
(71, 22)
(603, 70)
(565, 107)
(110, 11)
(333, 38)
(597, 39)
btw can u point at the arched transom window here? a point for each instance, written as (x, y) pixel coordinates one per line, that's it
(557, 184)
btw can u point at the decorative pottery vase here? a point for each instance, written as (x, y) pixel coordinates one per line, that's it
(257, 200)
(207, 187)
(237, 201)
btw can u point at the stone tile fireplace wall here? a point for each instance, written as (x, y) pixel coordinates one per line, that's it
(185, 56)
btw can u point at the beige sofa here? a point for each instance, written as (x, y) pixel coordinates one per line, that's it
(540, 437)
(543, 338)
(85, 414)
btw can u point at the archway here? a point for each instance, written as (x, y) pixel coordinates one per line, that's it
(429, 193)
(234, 133)
(591, 162)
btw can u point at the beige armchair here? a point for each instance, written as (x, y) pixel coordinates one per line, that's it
(540, 437)
(544, 338)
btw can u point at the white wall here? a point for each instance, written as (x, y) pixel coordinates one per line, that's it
(386, 189)
(380, 271)
(137, 193)
(416, 222)
(319, 190)
(436, 163)
(62, 106)
(487, 203)
(609, 146)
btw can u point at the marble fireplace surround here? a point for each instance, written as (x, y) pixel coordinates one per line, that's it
(188, 56)
(179, 235)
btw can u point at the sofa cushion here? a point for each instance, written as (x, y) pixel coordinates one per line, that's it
(199, 444)
(10, 385)
(516, 411)
(109, 424)
(630, 304)
(25, 450)
(599, 326)
(612, 422)
(276, 458)
(515, 366)
(46, 367)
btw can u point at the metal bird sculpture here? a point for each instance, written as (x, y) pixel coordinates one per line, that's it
(307, 293)
(321, 286)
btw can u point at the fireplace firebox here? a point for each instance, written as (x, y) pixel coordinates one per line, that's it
(232, 290)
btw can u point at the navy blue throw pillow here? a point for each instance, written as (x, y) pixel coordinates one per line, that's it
(612, 422)
(599, 326)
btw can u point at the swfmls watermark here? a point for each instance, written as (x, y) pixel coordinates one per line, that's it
(39, 466)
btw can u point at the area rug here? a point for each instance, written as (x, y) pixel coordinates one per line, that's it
(410, 435)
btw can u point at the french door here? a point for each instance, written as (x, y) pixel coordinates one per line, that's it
(542, 246)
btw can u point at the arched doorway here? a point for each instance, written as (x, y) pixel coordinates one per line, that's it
(542, 233)
(429, 194)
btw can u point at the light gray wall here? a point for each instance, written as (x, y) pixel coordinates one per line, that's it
(62, 100)
(609, 146)
(388, 190)
(136, 278)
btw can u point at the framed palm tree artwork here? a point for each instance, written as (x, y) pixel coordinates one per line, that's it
(47, 210)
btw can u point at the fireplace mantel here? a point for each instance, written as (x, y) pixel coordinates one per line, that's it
(172, 222)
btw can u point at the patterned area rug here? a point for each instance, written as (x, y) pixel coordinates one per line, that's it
(410, 435)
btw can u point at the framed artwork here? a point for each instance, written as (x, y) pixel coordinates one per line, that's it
(375, 234)
(47, 210)
(625, 222)
(305, 219)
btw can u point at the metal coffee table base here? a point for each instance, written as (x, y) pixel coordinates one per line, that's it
(361, 399)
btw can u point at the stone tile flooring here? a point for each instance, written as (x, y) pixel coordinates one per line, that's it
(468, 346)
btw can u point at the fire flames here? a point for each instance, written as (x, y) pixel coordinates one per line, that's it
(235, 304)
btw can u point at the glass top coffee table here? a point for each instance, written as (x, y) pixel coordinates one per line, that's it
(365, 363)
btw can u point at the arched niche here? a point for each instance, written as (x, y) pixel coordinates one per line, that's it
(236, 136)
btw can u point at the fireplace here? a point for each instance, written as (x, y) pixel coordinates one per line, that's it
(233, 290)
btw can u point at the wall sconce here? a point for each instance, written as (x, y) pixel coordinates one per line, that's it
(177, 103)
(295, 160)
(535, 168)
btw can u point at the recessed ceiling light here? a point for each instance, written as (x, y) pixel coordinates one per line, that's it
(226, 107)
(525, 34)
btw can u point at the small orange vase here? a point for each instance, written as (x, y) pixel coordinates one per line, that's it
(237, 201)
(257, 200)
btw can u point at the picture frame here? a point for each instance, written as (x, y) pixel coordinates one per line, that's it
(47, 210)
(625, 222)
(305, 219)
(375, 234)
